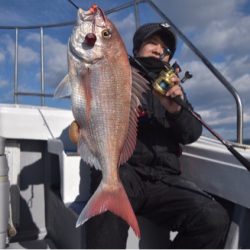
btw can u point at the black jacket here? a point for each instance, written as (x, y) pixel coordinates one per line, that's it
(159, 137)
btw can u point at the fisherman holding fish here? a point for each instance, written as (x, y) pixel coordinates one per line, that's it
(152, 176)
(132, 135)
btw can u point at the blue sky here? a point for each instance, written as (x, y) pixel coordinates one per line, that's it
(220, 29)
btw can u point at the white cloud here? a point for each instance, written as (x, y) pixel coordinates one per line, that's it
(247, 117)
(55, 56)
(26, 55)
(243, 84)
(210, 99)
(193, 15)
(3, 83)
(213, 117)
(226, 36)
(204, 85)
(235, 67)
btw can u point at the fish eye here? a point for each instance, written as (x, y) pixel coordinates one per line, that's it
(106, 33)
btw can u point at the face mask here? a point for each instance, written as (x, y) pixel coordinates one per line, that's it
(153, 65)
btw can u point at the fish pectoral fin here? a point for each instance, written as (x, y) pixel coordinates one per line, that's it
(64, 88)
(85, 152)
(115, 201)
(139, 86)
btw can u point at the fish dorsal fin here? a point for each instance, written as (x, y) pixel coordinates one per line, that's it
(139, 86)
(64, 88)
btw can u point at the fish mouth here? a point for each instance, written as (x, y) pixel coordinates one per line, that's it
(76, 54)
(93, 12)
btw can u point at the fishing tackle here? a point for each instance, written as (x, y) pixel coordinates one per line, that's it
(178, 69)
(90, 39)
(162, 84)
(187, 76)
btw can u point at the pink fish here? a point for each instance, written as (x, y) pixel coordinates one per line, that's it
(104, 105)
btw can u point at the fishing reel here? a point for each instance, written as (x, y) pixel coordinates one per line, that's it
(164, 81)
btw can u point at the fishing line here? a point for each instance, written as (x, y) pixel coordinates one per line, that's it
(74, 4)
(45, 123)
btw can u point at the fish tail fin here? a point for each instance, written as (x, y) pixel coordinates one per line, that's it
(116, 202)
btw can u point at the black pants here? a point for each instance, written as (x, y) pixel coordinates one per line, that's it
(175, 203)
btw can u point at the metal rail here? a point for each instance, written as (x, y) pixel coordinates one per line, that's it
(4, 195)
(42, 66)
(16, 68)
(218, 75)
(72, 22)
(136, 12)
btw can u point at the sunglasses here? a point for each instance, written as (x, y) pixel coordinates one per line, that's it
(166, 52)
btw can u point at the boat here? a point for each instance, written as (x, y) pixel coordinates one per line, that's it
(44, 182)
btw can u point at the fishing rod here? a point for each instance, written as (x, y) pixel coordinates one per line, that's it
(229, 146)
(163, 83)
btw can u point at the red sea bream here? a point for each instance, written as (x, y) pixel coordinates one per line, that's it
(104, 105)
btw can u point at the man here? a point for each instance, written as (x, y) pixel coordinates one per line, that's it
(152, 177)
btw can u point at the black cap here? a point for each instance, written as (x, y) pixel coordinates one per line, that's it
(162, 29)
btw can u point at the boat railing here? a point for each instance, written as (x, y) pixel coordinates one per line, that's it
(4, 194)
(134, 3)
